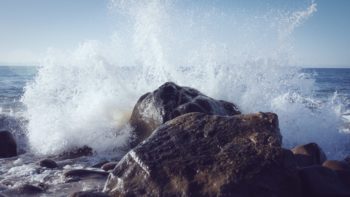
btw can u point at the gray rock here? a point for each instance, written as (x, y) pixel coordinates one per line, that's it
(8, 145)
(170, 101)
(204, 155)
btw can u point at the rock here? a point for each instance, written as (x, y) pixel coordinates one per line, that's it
(170, 101)
(204, 155)
(8, 146)
(88, 194)
(48, 163)
(318, 181)
(109, 166)
(100, 164)
(336, 165)
(78, 152)
(309, 154)
(29, 189)
(83, 173)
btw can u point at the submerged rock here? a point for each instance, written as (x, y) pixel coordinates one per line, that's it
(48, 163)
(88, 194)
(204, 155)
(309, 154)
(78, 152)
(170, 101)
(8, 145)
(83, 173)
(29, 189)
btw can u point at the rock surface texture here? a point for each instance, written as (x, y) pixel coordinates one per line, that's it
(8, 145)
(207, 155)
(170, 101)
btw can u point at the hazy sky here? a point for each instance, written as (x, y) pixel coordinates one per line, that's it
(29, 27)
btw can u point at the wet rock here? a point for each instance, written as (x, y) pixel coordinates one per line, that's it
(204, 155)
(83, 173)
(318, 181)
(29, 189)
(99, 164)
(336, 165)
(109, 166)
(8, 146)
(48, 163)
(309, 154)
(170, 101)
(88, 194)
(78, 152)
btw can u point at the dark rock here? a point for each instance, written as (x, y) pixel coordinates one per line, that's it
(48, 163)
(336, 165)
(83, 173)
(16, 126)
(170, 101)
(318, 181)
(8, 146)
(88, 194)
(309, 154)
(205, 155)
(29, 189)
(78, 152)
(99, 164)
(109, 166)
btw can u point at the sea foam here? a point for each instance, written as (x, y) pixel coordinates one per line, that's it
(85, 96)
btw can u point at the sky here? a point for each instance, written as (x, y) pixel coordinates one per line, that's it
(28, 28)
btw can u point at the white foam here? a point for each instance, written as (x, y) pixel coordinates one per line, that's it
(83, 97)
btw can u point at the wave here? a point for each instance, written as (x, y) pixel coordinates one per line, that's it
(85, 96)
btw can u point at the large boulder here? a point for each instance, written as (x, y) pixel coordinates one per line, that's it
(170, 101)
(8, 145)
(207, 155)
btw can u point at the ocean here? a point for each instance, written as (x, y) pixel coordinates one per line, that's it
(85, 96)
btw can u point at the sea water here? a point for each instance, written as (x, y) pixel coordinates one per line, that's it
(85, 96)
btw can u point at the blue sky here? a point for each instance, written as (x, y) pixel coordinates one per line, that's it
(29, 27)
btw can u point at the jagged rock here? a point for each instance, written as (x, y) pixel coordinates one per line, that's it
(309, 154)
(170, 101)
(8, 146)
(88, 194)
(318, 181)
(205, 155)
(78, 152)
(109, 166)
(48, 163)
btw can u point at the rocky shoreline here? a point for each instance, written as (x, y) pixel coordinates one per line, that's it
(185, 143)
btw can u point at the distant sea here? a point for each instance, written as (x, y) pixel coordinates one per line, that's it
(328, 81)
